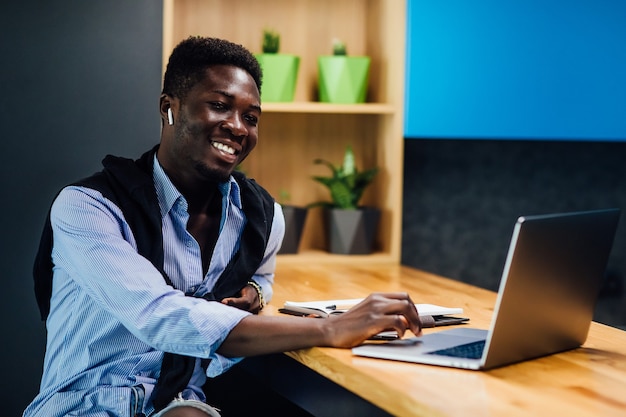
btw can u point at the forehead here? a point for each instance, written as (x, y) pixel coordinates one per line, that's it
(227, 79)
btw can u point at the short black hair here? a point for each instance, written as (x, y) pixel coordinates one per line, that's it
(191, 57)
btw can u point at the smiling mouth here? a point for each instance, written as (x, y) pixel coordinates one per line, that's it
(224, 148)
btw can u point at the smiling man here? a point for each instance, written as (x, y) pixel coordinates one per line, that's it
(150, 273)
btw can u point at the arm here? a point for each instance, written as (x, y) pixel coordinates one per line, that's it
(257, 335)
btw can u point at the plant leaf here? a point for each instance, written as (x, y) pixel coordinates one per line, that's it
(348, 162)
(347, 184)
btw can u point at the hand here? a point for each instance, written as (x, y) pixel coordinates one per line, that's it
(378, 312)
(248, 300)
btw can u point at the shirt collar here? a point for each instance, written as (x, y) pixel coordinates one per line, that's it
(168, 194)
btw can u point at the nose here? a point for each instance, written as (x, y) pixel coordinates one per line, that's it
(235, 125)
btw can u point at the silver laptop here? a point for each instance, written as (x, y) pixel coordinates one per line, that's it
(552, 276)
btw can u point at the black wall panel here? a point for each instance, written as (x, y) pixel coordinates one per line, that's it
(462, 197)
(79, 79)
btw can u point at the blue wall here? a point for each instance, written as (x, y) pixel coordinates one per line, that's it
(533, 69)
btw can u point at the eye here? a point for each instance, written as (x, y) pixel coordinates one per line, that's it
(252, 119)
(218, 105)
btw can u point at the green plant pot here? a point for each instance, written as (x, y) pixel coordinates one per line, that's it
(352, 232)
(280, 73)
(343, 79)
(294, 224)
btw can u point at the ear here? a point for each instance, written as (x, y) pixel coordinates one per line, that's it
(167, 104)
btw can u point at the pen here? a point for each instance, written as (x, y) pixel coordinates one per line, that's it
(331, 307)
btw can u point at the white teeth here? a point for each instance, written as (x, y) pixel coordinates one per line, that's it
(223, 148)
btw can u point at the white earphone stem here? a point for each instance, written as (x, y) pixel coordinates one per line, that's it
(170, 117)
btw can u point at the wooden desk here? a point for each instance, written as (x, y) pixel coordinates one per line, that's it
(589, 381)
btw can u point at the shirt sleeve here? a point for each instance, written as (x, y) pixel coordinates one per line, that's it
(264, 275)
(94, 245)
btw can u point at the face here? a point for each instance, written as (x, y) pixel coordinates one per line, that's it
(215, 127)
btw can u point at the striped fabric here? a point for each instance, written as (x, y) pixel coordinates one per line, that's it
(112, 315)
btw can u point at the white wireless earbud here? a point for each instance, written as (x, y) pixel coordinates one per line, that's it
(170, 117)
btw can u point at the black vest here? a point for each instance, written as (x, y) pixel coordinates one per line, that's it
(129, 185)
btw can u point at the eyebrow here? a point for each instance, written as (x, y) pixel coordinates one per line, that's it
(226, 94)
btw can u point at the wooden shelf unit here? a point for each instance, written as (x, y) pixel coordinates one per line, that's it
(292, 135)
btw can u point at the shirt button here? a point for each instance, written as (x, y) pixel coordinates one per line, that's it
(189, 243)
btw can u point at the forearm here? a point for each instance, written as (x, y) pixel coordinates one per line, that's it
(259, 335)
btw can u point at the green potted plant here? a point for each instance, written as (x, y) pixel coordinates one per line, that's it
(343, 78)
(351, 228)
(280, 71)
(295, 217)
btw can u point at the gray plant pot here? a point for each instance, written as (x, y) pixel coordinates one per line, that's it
(294, 224)
(352, 232)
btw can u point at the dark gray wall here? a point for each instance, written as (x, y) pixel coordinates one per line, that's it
(79, 79)
(462, 197)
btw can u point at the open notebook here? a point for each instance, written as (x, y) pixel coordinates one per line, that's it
(431, 315)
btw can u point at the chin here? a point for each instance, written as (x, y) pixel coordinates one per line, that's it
(213, 174)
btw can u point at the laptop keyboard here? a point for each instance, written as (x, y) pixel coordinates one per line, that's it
(473, 350)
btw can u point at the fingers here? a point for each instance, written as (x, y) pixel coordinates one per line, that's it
(400, 324)
(377, 313)
(401, 306)
(247, 301)
(229, 301)
(403, 321)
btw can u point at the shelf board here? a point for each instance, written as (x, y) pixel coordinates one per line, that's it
(331, 108)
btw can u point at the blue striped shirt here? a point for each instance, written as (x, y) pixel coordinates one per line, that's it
(112, 315)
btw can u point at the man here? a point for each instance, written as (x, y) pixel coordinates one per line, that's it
(149, 273)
